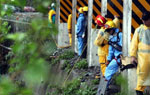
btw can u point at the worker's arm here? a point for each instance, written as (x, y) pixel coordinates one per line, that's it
(99, 41)
(80, 25)
(69, 22)
(117, 22)
(50, 16)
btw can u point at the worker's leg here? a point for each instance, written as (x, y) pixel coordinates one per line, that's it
(102, 61)
(70, 38)
(103, 67)
(80, 45)
(139, 89)
(111, 69)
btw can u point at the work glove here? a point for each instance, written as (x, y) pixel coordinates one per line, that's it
(106, 36)
(83, 35)
(129, 66)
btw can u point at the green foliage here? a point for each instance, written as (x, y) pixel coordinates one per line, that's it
(67, 55)
(74, 87)
(120, 80)
(55, 61)
(82, 64)
(29, 52)
(95, 81)
(7, 87)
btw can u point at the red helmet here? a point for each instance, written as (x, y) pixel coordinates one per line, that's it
(100, 20)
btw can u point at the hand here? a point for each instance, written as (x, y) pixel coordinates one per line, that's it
(115, 16)
(133, 59)
(69, 31)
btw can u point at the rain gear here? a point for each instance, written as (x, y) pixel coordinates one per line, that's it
(113, 55)
(141, 46)
(102, 49)
(51, 16)
(80, 31)
(117, 22)
(70, 28)
(102, 42)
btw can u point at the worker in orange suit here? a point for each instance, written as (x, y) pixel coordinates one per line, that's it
(70, 28)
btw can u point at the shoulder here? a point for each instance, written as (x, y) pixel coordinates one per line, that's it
(70, 15)
(139, 28)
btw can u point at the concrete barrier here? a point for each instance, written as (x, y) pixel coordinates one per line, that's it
(93, 58)
(63, 38)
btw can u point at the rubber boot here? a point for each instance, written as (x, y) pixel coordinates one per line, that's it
(139, 92)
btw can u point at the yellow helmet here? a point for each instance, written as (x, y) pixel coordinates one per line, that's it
(109, 24)
(85, 8)
(80, 10)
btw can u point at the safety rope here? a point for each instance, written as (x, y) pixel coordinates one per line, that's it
(77, 60)
(74, 66)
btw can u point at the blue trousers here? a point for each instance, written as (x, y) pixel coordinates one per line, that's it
(111, 69)
(80, 45)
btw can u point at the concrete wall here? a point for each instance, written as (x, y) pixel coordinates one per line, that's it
(93, 58)
(63, 38)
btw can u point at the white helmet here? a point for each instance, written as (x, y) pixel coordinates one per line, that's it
(53, 5)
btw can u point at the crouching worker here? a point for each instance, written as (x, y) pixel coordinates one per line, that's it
(115, 50)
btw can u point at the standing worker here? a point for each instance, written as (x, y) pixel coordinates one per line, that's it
(101, 43)
(52, 14)
(140, 52)
(85, 35)
(70, 28)
(80, 30)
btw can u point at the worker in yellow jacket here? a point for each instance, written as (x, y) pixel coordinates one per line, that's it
(102, 40)
(52, 14)
(140, 52)
(70, 28)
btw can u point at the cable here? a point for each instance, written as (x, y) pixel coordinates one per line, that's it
(77, 60)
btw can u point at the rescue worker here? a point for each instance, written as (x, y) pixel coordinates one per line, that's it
(140, 52)
(115, 50)
(52, 14)
(70, 28)
(102, 41)
(85, 35)
(80, 30)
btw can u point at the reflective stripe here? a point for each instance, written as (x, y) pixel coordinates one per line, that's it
(144, 51)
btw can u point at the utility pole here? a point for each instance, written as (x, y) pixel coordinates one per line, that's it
(104, 8)
(57, 20)
(89, 44)
(74, 4)
(127, 16)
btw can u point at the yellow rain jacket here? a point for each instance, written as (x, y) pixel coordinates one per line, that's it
(117, 23)
(50, 14)
(102, 50)
(70, 28)
(141, 46)
(69, 21)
